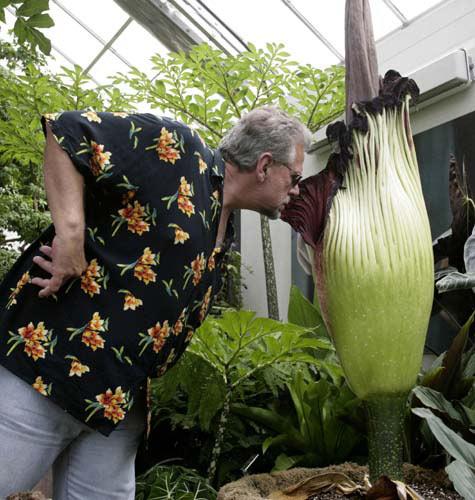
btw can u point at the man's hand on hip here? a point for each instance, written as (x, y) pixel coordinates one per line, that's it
(65, 260)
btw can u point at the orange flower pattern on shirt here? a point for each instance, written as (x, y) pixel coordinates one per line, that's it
(166, 147)
(114, 404)
(15, 291)
(155, 336)
(186, 206)
(195, 270)
(92, 279)
(137, 217)
(180, 235)
(99, 158)
(130, 301)
(178, 326)
(183, 198)
(91, 332)
(92, 116)
(91, 336)
(37, 340)
(211, 260)
(35, 350)
(142, 267)
(143, 270)
(202, 166)
(198, 266)
(189, 336)
(78, 369)
(41, 387)
(185, 188)
(145, 273)
(205, 304)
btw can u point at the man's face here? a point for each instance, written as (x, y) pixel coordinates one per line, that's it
(282, 183)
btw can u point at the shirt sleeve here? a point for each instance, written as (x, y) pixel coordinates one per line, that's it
(110, 149)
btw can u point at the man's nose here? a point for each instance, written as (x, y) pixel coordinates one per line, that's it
(294, 191)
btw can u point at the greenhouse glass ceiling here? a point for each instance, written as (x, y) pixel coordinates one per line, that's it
(107, 36)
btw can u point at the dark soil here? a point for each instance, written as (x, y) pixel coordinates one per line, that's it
(431, 485)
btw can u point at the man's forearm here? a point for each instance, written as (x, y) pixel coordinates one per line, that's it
(65, 191)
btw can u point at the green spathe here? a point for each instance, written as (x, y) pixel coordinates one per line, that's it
(377, 260)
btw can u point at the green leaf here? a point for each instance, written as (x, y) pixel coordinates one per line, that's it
(453, 444)
(20, 31)
(469, 368)
(436, 401)
(302, 312)
(284, 462)
(43, 43)
(451, 363)
(463, 478)
(211, 402)
(31, 7)
(40, 21)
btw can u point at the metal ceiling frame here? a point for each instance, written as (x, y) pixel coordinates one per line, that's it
(164, 19)
(94, 34)
(314, 30)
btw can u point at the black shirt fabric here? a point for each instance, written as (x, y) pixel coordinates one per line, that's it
(153, 194)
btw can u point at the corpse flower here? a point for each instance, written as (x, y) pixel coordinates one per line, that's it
(365, 220)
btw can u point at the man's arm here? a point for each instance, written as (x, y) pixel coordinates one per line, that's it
(65, 192)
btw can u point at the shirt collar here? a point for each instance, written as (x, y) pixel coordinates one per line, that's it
(218, 165)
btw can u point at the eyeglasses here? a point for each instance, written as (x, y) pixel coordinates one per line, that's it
(295, 177)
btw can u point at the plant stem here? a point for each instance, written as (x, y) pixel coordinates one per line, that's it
(271, 287)
(216, 452)
(386, 435)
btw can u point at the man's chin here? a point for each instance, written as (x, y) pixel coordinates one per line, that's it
(271, 214)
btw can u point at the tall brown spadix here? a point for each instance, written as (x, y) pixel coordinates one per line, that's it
(362, 78)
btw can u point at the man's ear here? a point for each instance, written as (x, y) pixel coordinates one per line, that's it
(263, 163)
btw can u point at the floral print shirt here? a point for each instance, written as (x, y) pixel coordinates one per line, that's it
(153, 193)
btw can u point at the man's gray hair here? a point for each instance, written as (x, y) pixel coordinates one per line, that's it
(266, 129)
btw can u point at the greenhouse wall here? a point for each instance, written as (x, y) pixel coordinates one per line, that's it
(440, 31)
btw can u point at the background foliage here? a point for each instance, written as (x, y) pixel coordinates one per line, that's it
(31, 17)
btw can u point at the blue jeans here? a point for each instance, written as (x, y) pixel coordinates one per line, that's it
(36, 434)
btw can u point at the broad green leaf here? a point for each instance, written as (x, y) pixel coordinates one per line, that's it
(32, 7)
(429, 378)
(40, 21)
(469, 368)
(211, 402)
(453, 444)
(273, 441)
(19, 29)
(303, 312)
(284, 462)
(236, 323)
(43, 43)
(469, 399)
(469, 413)
(266, 417)
(452, 360)
(436, 401)
(462, 477)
